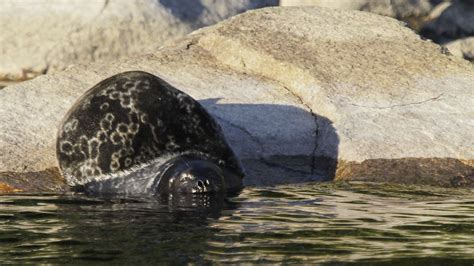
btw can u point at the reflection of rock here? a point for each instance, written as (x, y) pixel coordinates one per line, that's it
(37, 37)
(463, 48)
(454, 22)
(295, 90)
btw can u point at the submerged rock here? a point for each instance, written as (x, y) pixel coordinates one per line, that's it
(302, 94)
(38, 37)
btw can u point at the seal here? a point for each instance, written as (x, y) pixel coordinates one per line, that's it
(135, 133)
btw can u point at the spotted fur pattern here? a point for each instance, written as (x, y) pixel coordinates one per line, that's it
(130, 120)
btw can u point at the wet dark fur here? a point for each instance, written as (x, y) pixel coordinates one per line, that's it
(131, 119)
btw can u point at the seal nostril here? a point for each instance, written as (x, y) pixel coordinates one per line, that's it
(200, 184)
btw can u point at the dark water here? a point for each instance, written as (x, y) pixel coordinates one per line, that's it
(325, 223)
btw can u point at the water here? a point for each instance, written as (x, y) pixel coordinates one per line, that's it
(326, 223)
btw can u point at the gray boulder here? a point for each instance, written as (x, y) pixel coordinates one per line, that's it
(38, 37)
(463, 48)
(302, 94)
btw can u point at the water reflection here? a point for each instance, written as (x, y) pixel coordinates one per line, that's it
(61, 229)
(323, 223)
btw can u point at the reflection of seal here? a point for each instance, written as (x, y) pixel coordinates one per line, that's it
(135, 133)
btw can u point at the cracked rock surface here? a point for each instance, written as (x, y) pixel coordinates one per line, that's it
(39, 37)
(302, 94)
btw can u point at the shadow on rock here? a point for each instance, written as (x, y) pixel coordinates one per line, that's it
(191, 11)
(191, 14)
(278, 144)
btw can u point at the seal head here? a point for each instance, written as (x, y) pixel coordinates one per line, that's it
(190, 174)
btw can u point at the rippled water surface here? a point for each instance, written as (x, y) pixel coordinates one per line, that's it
(325, 223)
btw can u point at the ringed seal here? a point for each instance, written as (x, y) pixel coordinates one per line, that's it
(135, 133)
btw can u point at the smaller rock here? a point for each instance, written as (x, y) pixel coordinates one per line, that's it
(47, 180)
(5, 188)
(333, 4)
(413, 12)
(400, 9)
(462, 48)
(39, 37)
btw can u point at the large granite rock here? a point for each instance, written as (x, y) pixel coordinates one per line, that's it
(301, 93)
(40, 36)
